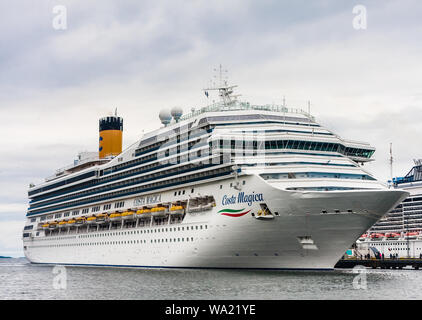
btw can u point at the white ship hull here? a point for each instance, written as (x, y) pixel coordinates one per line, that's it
(310, 230)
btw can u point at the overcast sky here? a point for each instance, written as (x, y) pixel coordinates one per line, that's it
(142, 56)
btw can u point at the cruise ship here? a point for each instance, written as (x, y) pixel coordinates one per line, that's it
(229, 185)
(399, 233)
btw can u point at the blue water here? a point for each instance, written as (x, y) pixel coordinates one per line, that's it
(21, 280)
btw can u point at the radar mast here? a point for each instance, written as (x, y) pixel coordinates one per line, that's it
(225, 92)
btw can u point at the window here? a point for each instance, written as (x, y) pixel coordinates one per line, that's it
(119, 204)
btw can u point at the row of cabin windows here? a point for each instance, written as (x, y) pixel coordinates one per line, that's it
(200, 227)
(180, 159)
(120, 233)
(120, 204)
(296, 144)
(157, 230)
(164, 240)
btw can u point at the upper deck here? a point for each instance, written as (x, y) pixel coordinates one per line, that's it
(183, 151)
(412, 179)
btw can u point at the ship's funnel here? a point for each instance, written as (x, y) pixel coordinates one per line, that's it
(111, 136)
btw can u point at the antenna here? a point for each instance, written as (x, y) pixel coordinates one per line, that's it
(391, 161)
(222, 82)
(115, 112)
(309, 113)
(225, 91)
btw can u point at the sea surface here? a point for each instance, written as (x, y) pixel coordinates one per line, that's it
(19, 280)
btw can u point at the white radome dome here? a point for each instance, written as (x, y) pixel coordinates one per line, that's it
(176, 112)
(165, 116)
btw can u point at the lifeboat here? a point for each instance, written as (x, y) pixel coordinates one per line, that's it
(62, 224)
(45, 226)
(143, 213)
(71, 222)
(80, 220)
(127, 215)
(101, 218)
(115, 216)
(176, 210)
(91, 219)
(159, 211)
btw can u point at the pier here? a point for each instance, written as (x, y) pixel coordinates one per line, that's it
(380, 263)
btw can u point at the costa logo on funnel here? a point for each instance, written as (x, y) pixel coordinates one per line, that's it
(233, 213)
